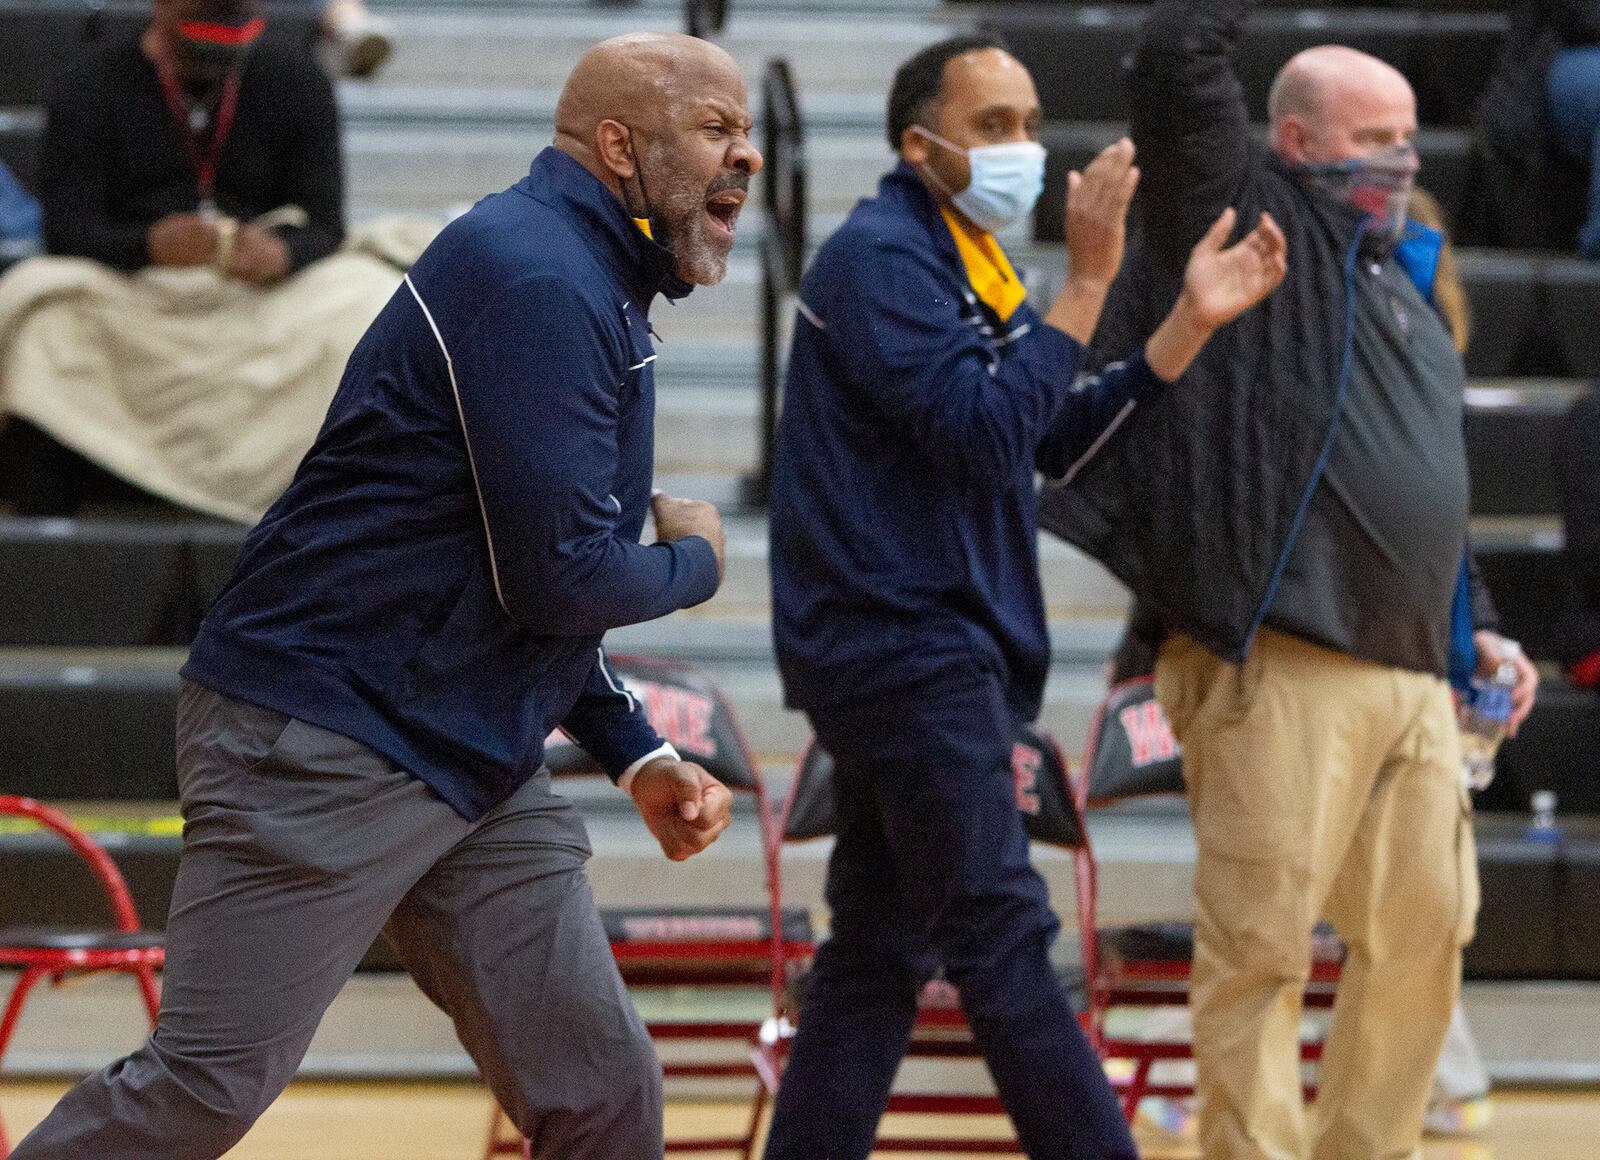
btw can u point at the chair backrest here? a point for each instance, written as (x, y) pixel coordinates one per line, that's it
(105, 870)
(1050, 812)
(1132, 751)
(687, 709)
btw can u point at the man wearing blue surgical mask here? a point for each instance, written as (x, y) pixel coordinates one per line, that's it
(1296, 517)
(923, 395)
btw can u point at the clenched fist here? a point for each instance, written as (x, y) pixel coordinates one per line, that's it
(677, 518)
(682, 805)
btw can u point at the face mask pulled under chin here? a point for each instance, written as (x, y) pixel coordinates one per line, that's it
(1006, 181)
(1380, 184)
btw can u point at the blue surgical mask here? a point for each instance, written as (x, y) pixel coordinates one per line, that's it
(1006, 181)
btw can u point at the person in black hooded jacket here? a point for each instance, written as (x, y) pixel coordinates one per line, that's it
(1296, 515)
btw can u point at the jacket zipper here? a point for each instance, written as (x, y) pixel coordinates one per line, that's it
(1327, 442)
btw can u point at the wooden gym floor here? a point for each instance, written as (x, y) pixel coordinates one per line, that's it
(386, 1120)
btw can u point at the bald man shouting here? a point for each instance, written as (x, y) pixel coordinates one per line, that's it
(1298, 517)
(363, 718)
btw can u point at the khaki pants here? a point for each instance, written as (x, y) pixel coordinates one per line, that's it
(1320, 784)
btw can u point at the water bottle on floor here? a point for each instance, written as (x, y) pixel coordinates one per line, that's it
(1542, 825)
(1484, 713)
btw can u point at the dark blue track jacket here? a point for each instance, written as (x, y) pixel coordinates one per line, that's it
(904, 517)
(436, 580)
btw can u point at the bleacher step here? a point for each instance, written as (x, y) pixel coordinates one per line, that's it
(852, 50)
(431, 169)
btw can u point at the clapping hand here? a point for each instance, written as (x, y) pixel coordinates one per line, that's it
(1218, 286)
(1097, 214)
(1097, 227)
(1221, 284)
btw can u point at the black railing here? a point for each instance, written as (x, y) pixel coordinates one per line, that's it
(783, 245)
(705, 18)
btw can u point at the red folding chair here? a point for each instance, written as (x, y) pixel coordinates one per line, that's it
(1141, 969)
(1052, 814)
(55, 953)
(734, 949)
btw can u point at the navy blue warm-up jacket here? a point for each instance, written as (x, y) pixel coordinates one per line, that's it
(436, 580)
(904, 513)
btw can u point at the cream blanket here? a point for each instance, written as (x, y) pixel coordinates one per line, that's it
(199, 389)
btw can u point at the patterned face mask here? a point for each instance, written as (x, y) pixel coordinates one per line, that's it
(1380, 184)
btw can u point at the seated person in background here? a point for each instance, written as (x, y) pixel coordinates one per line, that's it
(197, 167)
(1577, 464)
(161, 151)
(1542, 104)
(1572, 96)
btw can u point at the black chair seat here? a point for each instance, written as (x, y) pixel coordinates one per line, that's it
(44, 938)
(938, 994)
(702, 924)
(1173, 942)
(1162, 942)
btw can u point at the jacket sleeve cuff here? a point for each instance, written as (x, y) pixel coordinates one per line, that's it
(1058, 347)
(1141, 382)
(665, 749)
(699, 561)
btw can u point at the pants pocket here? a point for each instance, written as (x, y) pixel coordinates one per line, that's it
(1181, 675)
(220, 741)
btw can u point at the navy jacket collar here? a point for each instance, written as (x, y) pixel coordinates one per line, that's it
(902, 185)
(642, 267)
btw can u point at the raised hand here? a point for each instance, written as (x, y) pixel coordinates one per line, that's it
(1097, 214)
(682, 805)
(1218, 286)
(1221, 284)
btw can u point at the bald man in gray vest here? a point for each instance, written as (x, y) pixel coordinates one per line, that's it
(1295, 513)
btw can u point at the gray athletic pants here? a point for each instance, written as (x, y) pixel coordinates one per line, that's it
(299, 846)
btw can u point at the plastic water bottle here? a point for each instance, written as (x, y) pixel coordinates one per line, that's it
(1484, 713)
(1543, 827)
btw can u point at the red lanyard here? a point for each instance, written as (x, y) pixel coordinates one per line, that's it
(205, 165)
